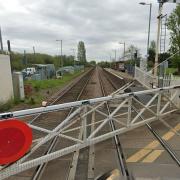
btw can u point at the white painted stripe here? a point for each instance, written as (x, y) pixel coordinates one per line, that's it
(114, 73)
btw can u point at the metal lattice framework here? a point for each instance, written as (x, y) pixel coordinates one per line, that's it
(158, 104)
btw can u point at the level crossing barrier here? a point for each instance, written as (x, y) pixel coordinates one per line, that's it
(159, 105)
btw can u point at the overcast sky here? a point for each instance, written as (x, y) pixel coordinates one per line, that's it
(101, 24)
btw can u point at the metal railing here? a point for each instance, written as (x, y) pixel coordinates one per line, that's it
(159, 105)
(145, 78)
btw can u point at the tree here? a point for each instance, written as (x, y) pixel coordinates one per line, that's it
(81, 53)
(173, 25)
(20, 62)
(151, 53)
(92, 63)
(133, 55)
(104, 64)
(132, 52)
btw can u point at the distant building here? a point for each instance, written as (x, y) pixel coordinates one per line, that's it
(44, 71)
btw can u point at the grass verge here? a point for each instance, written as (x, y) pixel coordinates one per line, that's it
(41, 90)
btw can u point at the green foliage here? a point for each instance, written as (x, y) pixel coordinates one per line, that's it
(81, 53)
(3, 52)
(176, 63)
(105, 64)
(6, 106)
(130, 52)
(51, 83)
(174, 27)
(46, 85)
(92, 63)
(131, 49)
(21, 61)
(40, 88)
(130, 62)
(150, 64)
(152, 53)
(163, 56)
(171, 70)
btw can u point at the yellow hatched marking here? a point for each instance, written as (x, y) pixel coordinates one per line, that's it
(140, 154)
(168, 136)
(154, 144)
(153, 156)
(177, 128)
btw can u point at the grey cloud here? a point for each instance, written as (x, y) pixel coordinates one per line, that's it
(100, 23)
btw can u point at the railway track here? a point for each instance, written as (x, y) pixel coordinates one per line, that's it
(120, 153)
(51, 120)
(69, 93)
(161, 141)
(82, 163)
(57, 169)
(41, 168)
(79, 167)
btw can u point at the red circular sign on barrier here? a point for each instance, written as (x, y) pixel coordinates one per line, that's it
(15, 140)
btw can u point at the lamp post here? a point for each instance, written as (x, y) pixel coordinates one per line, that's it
(1, 42)
(115, 52)
(34, 53)
(124, 49)
(149, 27)
(155, 83)
(74, 54)
(61, 52)
(110, 59)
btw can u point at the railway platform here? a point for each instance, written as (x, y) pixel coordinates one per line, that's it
(146, 157)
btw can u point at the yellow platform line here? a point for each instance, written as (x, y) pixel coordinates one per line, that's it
(139, 155)
(153, 156)
(148, 149)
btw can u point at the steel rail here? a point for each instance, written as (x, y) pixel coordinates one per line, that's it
(41, 168)
(161, 141)
(97, 100)
(61, 94)
(70, 113)
(166, 146)
(120, 154)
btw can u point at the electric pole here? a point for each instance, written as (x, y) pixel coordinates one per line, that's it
(34, 52)
(61, 58)
(115, 52)
(1, 42)
(124, 49)
(74, 54)
(157, 43)
(61, 55)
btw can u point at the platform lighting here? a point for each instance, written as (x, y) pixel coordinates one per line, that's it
(149, 27)
(124, 48)
(61, 51)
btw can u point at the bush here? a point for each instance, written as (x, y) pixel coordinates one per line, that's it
(6, 106)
